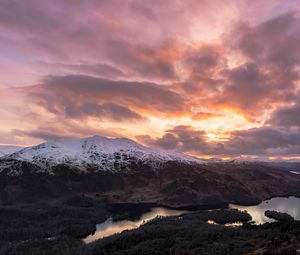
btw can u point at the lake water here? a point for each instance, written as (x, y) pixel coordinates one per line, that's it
(290, 205)
(110, 227)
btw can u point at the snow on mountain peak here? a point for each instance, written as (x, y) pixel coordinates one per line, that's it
(96, 151)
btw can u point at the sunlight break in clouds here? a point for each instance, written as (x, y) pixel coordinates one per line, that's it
(209, 78)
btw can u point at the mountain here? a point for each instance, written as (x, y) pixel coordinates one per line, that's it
(99, 170)
(97, 152)
(8, 149)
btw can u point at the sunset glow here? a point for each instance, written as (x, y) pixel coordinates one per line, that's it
(177, 75)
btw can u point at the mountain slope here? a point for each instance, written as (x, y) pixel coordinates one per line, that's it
(96, 152)
(8, 149)
(108, 171)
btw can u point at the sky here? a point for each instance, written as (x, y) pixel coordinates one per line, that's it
(210, 78)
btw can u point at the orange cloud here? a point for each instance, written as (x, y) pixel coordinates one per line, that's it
(205, 116)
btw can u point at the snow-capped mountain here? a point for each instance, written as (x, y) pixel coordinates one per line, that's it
(96, 152)
(8, 149)
(123, 171)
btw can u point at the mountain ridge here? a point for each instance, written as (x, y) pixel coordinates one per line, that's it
(119, 170)
(98, 152)
(9, 149)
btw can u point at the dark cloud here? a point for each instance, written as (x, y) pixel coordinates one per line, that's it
(274, 42)
(263, 141)
(98, 70)
(148, 62)
(105, 111)
(203, 60)
(47, 135)
(287, 116)
(78, 95)
(181, 138)
(246, 87)
(90, 39)
(188, 138)
(47, 132)
(271, 72)
(274, 46)
(200, 66)
(253, 142)
(23, 17)
(169, 141)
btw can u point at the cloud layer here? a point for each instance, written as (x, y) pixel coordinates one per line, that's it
(203, 77)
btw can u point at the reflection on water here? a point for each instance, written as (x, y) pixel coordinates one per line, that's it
(212, 222)
(290, 205)
(295, 172)
(110, 227)
(234, 224)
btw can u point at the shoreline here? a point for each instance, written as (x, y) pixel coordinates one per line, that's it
(120, 211)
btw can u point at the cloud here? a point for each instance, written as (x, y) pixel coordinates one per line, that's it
(99, 33)
(268, 74)
(47, 132)
(200, 66)
(180, 138)
(89, 67)
(60, 95)
(146, 47)
(76, 105)
(203, 60)
(247, 87)
(107, 110)
(263, 141)
(100, 70)
(206, 116)
(287, 116)
(169, 141)
(274, 42)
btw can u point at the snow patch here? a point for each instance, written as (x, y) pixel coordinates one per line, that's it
(97, 152)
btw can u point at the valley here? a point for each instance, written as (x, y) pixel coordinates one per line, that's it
(138, 127)
(52, 198)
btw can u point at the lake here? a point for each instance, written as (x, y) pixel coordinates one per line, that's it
(110, 227)
(290, 205)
